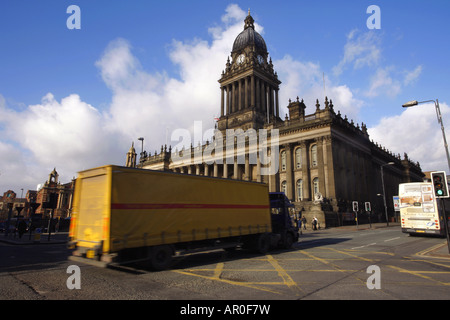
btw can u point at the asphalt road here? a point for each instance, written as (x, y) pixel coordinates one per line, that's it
(341, 263)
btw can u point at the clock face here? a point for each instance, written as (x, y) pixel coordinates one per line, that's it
(260, 59)
(240, 59)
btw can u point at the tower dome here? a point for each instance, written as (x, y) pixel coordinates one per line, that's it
(249, 37)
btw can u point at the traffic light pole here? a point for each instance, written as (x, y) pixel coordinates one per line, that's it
(440, 186)
(355, 210)
(444, 215)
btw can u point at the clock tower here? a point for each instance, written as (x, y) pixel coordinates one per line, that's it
(249, 86)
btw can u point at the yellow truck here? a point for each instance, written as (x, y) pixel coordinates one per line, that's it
(125, 214)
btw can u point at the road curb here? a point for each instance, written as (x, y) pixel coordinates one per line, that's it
(43, 241)
(28, 243)
(437, 251)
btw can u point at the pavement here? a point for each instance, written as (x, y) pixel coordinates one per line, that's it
(360, 227)
(55, 238)
(439, 251)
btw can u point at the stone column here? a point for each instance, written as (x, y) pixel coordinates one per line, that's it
(258, 168)
(263, 98)
(276, 103)
(233, 97)
(320, 166)
(240, 94)
(271, 104)
(305, 171)
(216, 170)
(228, 100)
(252, 92)
(247, 168)
(225, 170)
(247, 94)
(257, 96)
(289, 173)
(329, 168)
(222, 102)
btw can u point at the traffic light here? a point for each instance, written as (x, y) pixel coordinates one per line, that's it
(355, 206)
(439, 180)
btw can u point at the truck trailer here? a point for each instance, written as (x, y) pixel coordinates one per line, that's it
(123, 214)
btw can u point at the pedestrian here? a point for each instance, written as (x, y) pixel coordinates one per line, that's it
(304, 222)
(299, 225)
(314, 223)
(22, 228)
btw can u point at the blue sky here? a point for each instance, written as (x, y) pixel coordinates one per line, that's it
(73, 99)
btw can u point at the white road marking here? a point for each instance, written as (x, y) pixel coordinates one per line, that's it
(391, 239)
(370, 244)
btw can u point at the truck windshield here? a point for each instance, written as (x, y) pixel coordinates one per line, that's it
(283, 211)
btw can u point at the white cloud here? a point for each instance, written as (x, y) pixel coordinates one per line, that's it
(306, 80)
(120, 70)
(412, 76)
(387, 81)
(382, 82)
(69, 135)
(361, 49)
(233, 13)
(417, 133)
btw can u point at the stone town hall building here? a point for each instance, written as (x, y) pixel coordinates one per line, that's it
(325, 161)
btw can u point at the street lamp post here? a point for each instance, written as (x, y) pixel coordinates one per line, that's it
(384, 192)
(439, 118)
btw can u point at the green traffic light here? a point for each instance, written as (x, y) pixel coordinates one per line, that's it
(439, 184)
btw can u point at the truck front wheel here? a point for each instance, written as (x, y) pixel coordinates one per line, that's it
(160, 257)
(289, 240)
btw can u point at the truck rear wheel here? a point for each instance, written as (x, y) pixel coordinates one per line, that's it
(160, 257)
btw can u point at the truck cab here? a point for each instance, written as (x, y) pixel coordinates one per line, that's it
(283, 219)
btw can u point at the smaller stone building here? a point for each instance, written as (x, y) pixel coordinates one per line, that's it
(60, 194)
(40, 200)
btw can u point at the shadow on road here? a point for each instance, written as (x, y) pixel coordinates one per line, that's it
(312, 243)
(32, 257)
(199, 259)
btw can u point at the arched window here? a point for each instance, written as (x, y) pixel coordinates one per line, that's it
(299, 190)
(283, 160)
(316, 185)
(298, 158)
(283, 187)
(314, 155)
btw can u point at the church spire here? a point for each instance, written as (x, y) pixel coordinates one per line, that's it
(131, 157)
(249, 22)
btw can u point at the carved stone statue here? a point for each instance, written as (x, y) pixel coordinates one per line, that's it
(318, 198)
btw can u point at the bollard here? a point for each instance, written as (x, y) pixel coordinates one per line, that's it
(37, 235)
